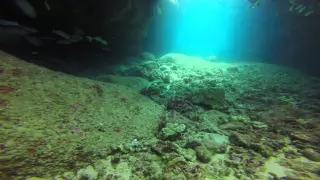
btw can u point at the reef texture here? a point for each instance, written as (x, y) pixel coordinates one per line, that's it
(175, 117)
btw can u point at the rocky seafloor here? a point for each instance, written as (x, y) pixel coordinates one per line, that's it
(168, 118)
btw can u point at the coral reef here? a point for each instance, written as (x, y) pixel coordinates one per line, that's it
(159, 119)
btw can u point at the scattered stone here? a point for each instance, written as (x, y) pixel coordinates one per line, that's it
(116, 159)
(109, 171)
(156, 170)
(134, 83)
(239, 139)
(258, 124)
(311, 154)
(232, 126)
(188, 154)
(176, 161)
(210, 96)
(241, 118)
(68, 175)
(203, 154)
(162, 147)
(210, 145)
(35, 178)
(233, 69)
(147, 56)
(301, 165)
(303, 137)
(135, 146)
(150, 65)
(193, 143)
(265, 151)
(88, 173)
(211, 58)
(216, 138)
(172, 131)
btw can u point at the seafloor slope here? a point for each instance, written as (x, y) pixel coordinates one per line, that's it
(175, 117)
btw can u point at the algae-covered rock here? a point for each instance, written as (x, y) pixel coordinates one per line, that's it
(311, 154)
(107, 170)
(59, 178)
(303, 137)
(210, 96)
(68, 175)
(176, 161)
(88, 173)
(156, 170)
(193, 143)
(239, 139)
(135, 146)
(147, 56)
(134, 83)
(265, 151)
(197, 139)
(162, 147)
(203, 154)
(79, 119)
(258, 124)
(216, 117)
(172, 131)
(210, 145)
(232, 126)
(35, 178)
(150, 65)
(241, 118)
(188, 154)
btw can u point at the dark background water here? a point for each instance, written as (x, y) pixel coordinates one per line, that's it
(227, 29)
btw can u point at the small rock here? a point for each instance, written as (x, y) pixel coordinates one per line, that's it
(258, 124)
(35, 178)
(239, 139)
(58, 178)
(10, 143)
(311, 154)
(211, 58)
(218, 139)
(162, 147)
(88, 173)
(156, 170)
(176, 161)
(135, 146)
(232, 69)
(193, 143)
(188, 154)
(172, 131)
(203, 154)
(210, 145)
(115, 159)
(68, 175)
(265, 151)
(303, 137)
(148, 56)
(166, 79)
(150, 65)
(232, 126)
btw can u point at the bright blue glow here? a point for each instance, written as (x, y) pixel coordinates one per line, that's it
(227, 29)
(204, 27)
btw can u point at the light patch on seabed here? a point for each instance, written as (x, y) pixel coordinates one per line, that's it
(273, 166)
(191, 62)
(223, 157)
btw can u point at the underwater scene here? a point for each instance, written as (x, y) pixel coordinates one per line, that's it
(160, 90)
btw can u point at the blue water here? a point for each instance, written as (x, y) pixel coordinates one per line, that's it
(228, 29)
